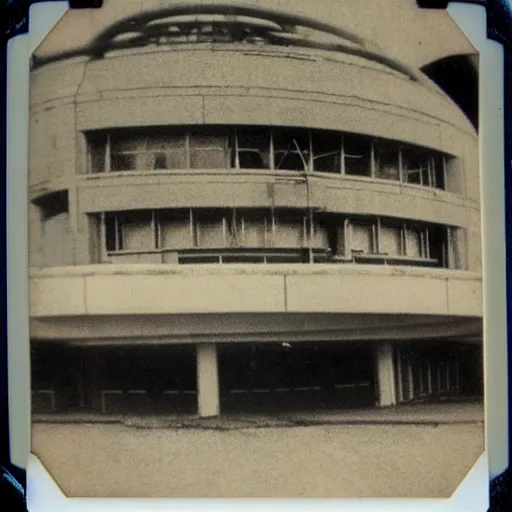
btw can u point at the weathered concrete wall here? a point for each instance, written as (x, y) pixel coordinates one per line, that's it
(158, 289)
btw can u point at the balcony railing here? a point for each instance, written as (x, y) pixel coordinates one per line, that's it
(262, 256)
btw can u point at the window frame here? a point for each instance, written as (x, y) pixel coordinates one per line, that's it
(101, 141)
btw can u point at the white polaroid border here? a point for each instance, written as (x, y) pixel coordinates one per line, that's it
(472, 495)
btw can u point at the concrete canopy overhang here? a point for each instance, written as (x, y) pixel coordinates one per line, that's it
(263, 327)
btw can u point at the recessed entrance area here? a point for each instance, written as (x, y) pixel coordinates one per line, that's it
(264, 377)
(236, 378)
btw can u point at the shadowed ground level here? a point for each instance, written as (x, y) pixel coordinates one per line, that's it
(351, 454)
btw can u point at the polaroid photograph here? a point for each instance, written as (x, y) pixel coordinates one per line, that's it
(258, 247)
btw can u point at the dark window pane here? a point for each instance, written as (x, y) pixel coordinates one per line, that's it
(54, 204)
(424, 376)
(415, 166)
(438, 244)
(121, 142)
(386, 161)
(250, 159)
(291, 150)
(290, 160)
(357, 151)
(416, 377)
(243, 258)
(97, 146)
(160, 161)
(124, 162)
(253, 148)
(406, 383)
(438, 162)
(110, 232)
(326, 152)
(193, 260)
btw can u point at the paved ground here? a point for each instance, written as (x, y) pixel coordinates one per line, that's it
(426, 413)
(329, 455)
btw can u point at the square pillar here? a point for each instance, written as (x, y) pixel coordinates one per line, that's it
(385, 375)
(208, 401)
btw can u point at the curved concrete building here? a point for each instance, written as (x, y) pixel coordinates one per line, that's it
(234, 205)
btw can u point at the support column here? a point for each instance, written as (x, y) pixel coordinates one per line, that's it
(208, 401)
(385, 375)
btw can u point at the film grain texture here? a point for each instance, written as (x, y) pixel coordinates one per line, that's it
(255, 250)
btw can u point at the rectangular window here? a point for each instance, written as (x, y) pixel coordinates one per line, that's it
(157, 149)
(386, 161)
(175, 229)
(320, 235)
(137, 231)
(390, 239)
(211, 229)
(167, 150)
(362, 237)
(209, 150)
(326, 152)
(414, 242)
(112, 233)
(291, 150)
(256, 230)
(437, 245)
(416, 167)
(438, 168)
(97, 146)
(290, 230)
(253, 149)
(130, 231)
(129, 152)
(357, 155)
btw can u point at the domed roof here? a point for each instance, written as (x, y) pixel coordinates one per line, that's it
(227, 23)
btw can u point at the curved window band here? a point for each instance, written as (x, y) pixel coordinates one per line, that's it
(274, 149)
(266, 236)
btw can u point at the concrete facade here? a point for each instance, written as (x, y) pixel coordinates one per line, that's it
(343, 185)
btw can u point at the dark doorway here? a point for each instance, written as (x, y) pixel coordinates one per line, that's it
(282, 377)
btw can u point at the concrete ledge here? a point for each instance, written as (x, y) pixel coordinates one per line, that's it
(167, 289)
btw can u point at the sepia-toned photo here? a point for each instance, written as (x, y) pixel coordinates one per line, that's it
(255, 250)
